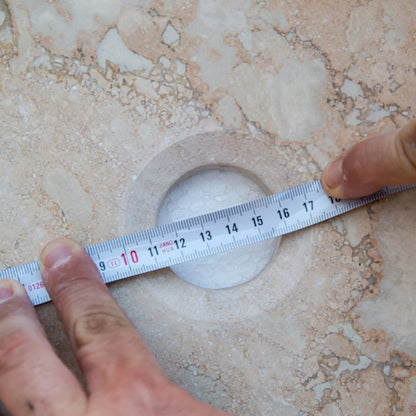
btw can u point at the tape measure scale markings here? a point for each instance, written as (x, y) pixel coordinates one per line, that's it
(204, 235)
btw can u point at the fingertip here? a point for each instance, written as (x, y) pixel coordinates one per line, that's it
(57, 253)
(10, 288)
(65, 265)
(333, 177)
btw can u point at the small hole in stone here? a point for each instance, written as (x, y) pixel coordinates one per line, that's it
(207, 191)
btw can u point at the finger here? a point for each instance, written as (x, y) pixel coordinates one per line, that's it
(108, 348)
(32, 378)
(373, 163)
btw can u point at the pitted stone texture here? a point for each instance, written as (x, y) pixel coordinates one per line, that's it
(205, 192)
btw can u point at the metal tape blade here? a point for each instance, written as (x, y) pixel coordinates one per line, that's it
(164, 246)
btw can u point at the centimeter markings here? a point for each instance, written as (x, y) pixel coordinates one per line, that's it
(181, 241)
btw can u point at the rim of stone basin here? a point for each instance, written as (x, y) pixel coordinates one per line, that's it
(272, 167)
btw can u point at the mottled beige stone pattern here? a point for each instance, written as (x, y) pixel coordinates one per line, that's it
(357, 394)
(394, 310)
(105, 105)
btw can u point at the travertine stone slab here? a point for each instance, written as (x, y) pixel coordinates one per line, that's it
(105, 105)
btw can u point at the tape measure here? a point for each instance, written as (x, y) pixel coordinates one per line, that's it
(204, 235)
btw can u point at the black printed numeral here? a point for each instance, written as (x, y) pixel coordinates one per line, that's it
(308, 206)
(232, 228)
(284, 213)
(206, 236)
(257, 221)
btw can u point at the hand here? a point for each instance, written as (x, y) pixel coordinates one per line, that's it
(121, 374)
(373, 163)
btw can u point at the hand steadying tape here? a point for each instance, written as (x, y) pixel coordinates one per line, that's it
(116, 363)
(388, 159)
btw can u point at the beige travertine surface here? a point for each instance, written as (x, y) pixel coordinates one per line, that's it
(105, 105)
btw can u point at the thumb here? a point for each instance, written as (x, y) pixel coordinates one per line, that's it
(379, 161)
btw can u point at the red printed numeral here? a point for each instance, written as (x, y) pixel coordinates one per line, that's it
(133, 256)
(35, 286)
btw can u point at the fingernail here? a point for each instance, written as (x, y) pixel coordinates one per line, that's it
(333, 175)
(56, 253)
(5, 291)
